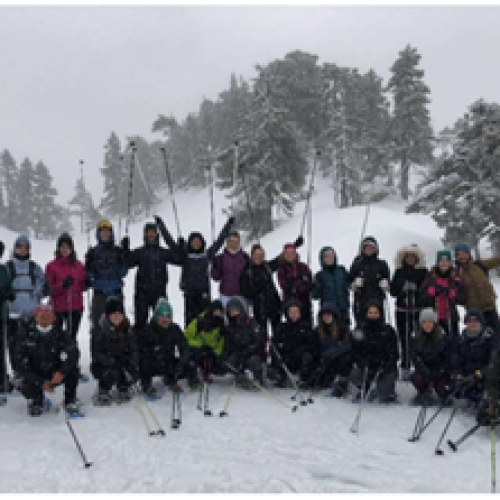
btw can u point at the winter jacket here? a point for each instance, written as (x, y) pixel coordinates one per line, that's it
(27, 293)
(64, 298)
(227, 268)
(372, 270)
(257, 285)
(375, 346)
(158, 345)
(295, 280)
(330, 284)
(242, 334)
(151, 262)
(199, 336)
(473, 353)
(115, 347)
(430, 353)
(408, 300)
(332, 347)
(478, 292)
(194, 263)
(106, 266)
(39, 355)
(442, 292)
(6, 291)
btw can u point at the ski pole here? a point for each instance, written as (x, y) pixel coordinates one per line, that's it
(223, 412)
(212, 204)
(171, 189)
(455, 444)
(86, 463)
(289, 375)
(493, 448)
(261, 388)
(130, 186)
(418, 424)
(365, 222)
(355, 425)
(438, 449)
(309, 193)
(5, 310)
(176, 407)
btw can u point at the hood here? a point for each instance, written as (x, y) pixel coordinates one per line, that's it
(328, 307)
(147, 226)
(22, 239)
(191, 237)
(98, 236)
(373, 303)
(371, 240)
(236, 304)
(290, 303)
(400, 256)
(322, 253)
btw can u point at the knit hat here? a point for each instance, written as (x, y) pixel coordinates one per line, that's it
(428, 314)
(369, 241)
(105, 224)
(216, 305)
(289, 246)
(65, 239)
(328, 307)
(44, 308)
(443, 254)
(22, 239)
(163, 308)
(474, 313)
(113, 305)
(462, 247)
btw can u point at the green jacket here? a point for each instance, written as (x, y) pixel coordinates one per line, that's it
(212, 339)
(5, 288)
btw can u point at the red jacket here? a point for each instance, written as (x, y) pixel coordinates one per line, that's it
(55, 273)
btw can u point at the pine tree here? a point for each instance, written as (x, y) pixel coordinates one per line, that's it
(11, 195)
(24, 217)
(44, 222)
(411, 131)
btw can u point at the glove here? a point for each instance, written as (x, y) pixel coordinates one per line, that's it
(384, 285)
(231, 220)
(358, 335)
(478, 375)
(358, 282)
(409, 287)
(440, 290)
(158, 220)
(68, 281)
(431, 291)
(181, 242)
(126, 243)
(88, 282)
(2, 248)
(458, 377)
(299, 241)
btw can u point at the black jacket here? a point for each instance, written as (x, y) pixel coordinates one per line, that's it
(430, 353)
(242, 336)
(332, 348)
(473, 353)
(158, 345)
(194, 263)
(291, 338)
(106, 266)
(406, 299)
(115, 347)
(375, 347)
(39, 355)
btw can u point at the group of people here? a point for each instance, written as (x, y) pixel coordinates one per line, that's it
(259, 329)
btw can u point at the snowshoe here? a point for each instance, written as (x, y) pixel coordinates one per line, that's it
(151, 393)
(103, 398)
(194, 384)
(37, 408)
(124, 396)
(339, 390)
(74, 409)
(281, 383)
(390, 399)
(3, 400)
(424, 399)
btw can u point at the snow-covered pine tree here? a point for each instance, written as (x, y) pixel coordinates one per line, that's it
(462, 189)
(24, 216)
(272, 164)
(9, 175)
(45, 213)
(411, 131)
(82, 200)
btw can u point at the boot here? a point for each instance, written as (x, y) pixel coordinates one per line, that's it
(35, 408)
(103, 398)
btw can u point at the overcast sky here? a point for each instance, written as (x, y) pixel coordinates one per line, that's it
(71, 75)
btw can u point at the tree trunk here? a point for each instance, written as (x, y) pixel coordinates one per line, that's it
(405, 178)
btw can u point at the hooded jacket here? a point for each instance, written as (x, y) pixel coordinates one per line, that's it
(106, 266)
(334, 340)
(243, 335)
(227, 269)
(330, 284)
(206, 331)
(430, 352)
(295, 280)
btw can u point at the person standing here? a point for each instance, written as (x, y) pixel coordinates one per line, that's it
(6, 295)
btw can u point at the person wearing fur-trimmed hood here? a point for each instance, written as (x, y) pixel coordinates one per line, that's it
(405, 285)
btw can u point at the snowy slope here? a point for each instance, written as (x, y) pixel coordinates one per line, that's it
(262, 446)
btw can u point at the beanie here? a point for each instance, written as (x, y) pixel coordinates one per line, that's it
(443, 254)
(22, 240)
(163, 308)
(474, 313)
(113, 305)
(289, 246)
(428, 314)
(65, 239)
(462, 247)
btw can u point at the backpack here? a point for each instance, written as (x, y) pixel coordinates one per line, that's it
(31, 273)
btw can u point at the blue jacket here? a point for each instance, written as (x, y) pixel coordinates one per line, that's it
(330, 284)
(106, 266)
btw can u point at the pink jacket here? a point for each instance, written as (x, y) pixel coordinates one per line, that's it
(55, 273)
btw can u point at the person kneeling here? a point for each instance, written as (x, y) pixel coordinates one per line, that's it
(430, 348)
(158, 344)
(46, 357)
(375, 353)
(114, 354)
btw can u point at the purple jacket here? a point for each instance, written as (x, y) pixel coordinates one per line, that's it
(227, 268)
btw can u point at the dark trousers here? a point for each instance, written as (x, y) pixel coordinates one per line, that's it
(66, 319)
(263, 317)
(109, 376)
(35, 392)
(441, 384)
(242, 362)
(164, 368)
(143, 302)
(98, 303)
(406, 323)
(13, 326)
(195, 302)
(329, 369)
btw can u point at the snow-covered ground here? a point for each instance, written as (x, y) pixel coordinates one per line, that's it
(262, 446)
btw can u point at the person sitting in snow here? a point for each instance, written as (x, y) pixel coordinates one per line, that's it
(375, 354)
(163, 351)
(369, 277)
(405, 286)
(334, 340)
(194, 259)
(46, 356)
(331, 284)
(430, 354)
(488, 412)
(115, 357)
(442, 290)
